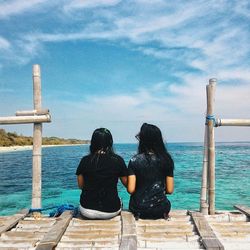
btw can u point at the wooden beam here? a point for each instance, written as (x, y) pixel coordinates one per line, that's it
(211, 144)
(208, 237)
(37, 142)
(128, 237)
(13, 221)
(244, 209)
(24, 119)
(204, 186)
(54, 235)
(232, 122)
(32, 112)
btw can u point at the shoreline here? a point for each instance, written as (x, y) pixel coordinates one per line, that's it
(29, 147)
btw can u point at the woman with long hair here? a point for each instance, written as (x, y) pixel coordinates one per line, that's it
(97, 176)
(150, 175)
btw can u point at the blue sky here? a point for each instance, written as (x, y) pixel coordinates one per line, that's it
(117, 64)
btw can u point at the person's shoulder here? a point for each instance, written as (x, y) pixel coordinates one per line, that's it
(85, 158)
(116, 157)
(137, 157)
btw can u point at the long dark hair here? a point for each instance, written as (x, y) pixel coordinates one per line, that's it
(150, 140)
(101, 145)
(101, 140)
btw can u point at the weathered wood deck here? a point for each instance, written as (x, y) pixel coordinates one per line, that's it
(183, 230)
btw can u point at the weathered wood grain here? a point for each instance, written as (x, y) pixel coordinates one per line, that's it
(129, 237)
(244, 209)
(208, 237)
(54, 235)
(12, 221)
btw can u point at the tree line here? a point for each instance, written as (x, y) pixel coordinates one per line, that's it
(13, 139)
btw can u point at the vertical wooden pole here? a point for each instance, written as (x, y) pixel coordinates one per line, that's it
(37, 141)
(203, 195)
(211, 143)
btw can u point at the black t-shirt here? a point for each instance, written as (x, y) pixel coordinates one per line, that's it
(101, 175)
(150, 172)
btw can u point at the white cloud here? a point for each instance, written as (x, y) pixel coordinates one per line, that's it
(179, 111)
(211, 37)
(82, 4)
(14, 7)
(4, 43)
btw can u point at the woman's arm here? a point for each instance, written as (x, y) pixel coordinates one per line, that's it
(80, 181)
(124, 180)
(131, 184)
(169, 185)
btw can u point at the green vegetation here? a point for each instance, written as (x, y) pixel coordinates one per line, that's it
(13, 139)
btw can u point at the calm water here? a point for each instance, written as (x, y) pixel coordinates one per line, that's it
(60, 187)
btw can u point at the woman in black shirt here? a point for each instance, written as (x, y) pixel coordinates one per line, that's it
(97, 176)
(150, 176)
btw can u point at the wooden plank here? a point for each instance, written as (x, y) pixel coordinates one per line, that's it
(54, 235)
(91, 237)
(88, 245)
(166, 228)
(19, 244)
(14, 235)
(180, 219)
(84, 229)
(208, 237)
(13, 221)
(35, 225)
(244, 209)
(128, 237)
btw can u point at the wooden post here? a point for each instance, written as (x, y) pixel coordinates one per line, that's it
(37, 141)
(203, 195)
(211, 143)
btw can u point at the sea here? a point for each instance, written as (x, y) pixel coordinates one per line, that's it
(59, 184)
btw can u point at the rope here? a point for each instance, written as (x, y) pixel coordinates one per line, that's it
(211, 118)
(58, 210)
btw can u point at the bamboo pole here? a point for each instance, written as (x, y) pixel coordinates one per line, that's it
(37, 141)
(232, 122)
(24, 119)
(32, 112)
(203, 194)
(211, 144)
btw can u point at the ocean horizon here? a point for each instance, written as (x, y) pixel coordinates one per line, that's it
(59, 185)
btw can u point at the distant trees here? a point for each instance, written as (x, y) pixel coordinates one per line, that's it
(13, 139)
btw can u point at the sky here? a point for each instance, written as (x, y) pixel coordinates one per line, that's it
(118, 64)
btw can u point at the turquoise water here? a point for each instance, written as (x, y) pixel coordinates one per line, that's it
(59, 181)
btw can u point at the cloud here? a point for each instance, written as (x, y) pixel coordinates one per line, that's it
(4, 43)
(85, 4)
(15, 7)
(205, 38)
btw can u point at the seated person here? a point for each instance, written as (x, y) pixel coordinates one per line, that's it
(97, 176)
(150, 176)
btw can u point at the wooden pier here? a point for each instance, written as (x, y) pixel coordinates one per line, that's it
(183, 230)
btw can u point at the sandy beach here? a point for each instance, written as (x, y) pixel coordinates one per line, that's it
(21, 148)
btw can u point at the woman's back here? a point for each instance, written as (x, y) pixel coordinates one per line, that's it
(149, 169)
(97, 177)
(150, 175)
(150, 172)
(100, 181)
